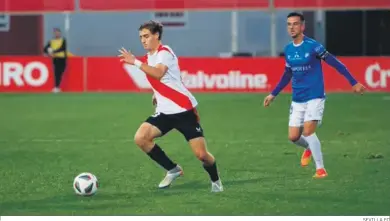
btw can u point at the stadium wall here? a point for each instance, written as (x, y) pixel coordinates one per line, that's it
(206, 33)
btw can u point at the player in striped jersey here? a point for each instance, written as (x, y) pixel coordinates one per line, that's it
(175, 106)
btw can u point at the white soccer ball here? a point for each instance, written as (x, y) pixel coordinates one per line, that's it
(85, 184)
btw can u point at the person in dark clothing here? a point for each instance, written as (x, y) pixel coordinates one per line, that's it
(56, 48)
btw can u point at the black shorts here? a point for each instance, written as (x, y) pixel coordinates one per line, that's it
(187, 123)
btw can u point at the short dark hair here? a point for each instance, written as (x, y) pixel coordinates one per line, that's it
(296, 14)
(154, 27)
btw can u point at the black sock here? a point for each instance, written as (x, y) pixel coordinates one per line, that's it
(158, 155)
(212, 171)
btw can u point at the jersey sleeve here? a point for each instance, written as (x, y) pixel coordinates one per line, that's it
(320, 51)
(286, 64)
(165, 58)
(285, 57)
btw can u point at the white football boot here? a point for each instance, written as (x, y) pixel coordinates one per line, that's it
(216, 186)
(170, 177)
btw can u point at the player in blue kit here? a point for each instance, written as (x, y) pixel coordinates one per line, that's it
(303, 66)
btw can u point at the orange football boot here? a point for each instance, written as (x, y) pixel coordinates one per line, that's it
(306, 158)
(320, 173)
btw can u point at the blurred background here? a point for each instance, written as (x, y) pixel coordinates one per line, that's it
(195, 27)
(358, 30)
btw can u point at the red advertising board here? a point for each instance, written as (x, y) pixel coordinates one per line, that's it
(205, 75)
(121, 5)
(234, 75)
(107, 74)
(35, 74)
(373, 72)
(20, 6)
(333, 4)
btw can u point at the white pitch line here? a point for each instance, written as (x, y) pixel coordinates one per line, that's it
(386, 98)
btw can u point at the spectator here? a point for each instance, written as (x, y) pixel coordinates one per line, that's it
(56, 48)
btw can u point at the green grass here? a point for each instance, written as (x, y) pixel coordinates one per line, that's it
(46, 140)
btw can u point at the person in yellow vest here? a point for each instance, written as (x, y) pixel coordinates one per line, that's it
(57, 49)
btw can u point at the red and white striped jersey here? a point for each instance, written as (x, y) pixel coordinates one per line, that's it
(171, 94)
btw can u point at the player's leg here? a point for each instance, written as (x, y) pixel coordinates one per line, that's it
(296, 119)
(192, 131)
(199, 148)
(156, 126)
(61, 70)
(295, 136)
(313, 118)
(57, 73)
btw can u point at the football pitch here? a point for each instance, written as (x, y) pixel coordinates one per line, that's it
(47, 139)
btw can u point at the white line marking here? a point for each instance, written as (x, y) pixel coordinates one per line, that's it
(386, 98)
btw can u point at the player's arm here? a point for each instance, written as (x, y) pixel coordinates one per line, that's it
(46, 48)
(285, 79)
(156, 72)
(331, 60)
(336, 64)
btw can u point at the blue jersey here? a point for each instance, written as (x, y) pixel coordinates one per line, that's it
(304, 62)
(303, 66)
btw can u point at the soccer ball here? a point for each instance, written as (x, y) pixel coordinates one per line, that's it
(85, 184)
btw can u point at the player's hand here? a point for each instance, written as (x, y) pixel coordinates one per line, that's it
(268, 100)
(126, 56)
(154, 100)
(358, 88)
(50, 52)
